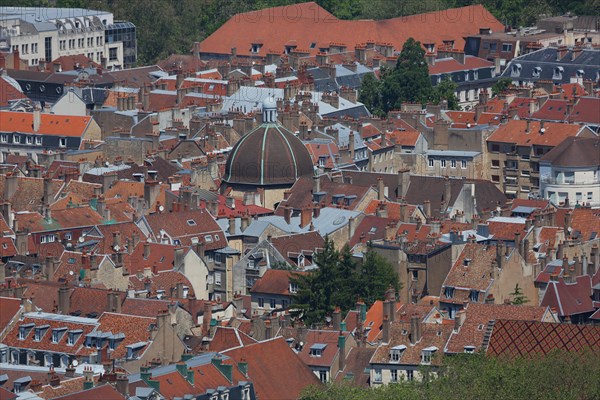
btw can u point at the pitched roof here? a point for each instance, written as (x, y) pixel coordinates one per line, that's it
(357, 362)
(9, 90)
(274, 281)
(10, 307)
(515, 131)
(575, 152)
(449, 64)
(477, 274)
(274, 33)
(533, 338)
(226, 338)
(144, 307)
(473, 329)
(569, 298)
(136, 330)
(50, 124)
(291, 246)
(185, 225)
(586, 111)
(552, 110)
(276, 371)
(101, 392)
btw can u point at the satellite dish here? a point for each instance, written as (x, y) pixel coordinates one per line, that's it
(81, 239)
(161, 208)
(71, 273)
(117, 248)
(75, 363)
(469, 125)
(543, 130)
(107, 164)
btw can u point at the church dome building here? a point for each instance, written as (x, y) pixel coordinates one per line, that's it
(267, 160)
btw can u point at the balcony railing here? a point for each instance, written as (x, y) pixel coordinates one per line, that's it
(562, 181)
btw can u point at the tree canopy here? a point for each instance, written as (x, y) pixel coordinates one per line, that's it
(560, 375)
(339, 281)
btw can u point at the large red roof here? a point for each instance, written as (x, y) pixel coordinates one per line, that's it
(308, 23)
(50, 124)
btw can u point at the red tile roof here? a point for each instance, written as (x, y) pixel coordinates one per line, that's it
(531, 339)
(569, 298)
(472, 330)
(370, 228)
(586, 110)
(274, 281)
(552, 110)
(9, 91)
(226, 338)
(584, 221)
(136, 329)
(515, 131)
(10, 307)
(291, 246)
(176, 225)
(505, 230)
(51, 124)
(478, 274)
(448, 65)
(102, 392)
(276, 371)
(276, 30)
(144, 307)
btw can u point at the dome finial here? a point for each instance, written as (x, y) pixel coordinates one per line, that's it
(269, 109)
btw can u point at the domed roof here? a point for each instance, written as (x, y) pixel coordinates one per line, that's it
(268, 155)
(269, 103)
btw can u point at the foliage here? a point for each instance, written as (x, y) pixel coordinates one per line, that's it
(559, 375)
(281, 265)
(501, 85)
(370, 94)
(339, 282)
(518, 296)
(446, 90)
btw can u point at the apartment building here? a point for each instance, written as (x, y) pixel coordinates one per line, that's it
(41, 35)
(514, 152)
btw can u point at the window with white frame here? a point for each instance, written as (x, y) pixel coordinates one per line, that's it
(4, 138)
(463, 164)
(38, 140)
(217, 278)
(62, 142)
(394, 375)
(261, 302)
(273, 303)
(453, 163)
(443, 163)
(431, 162)
(377, 375)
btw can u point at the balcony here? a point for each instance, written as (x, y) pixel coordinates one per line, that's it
(511, 172)
(549, 180)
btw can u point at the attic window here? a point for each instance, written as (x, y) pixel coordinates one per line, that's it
(316, 350)
(24, 330)
(313, 45)
(537, 71)
(449, 292)
(426, 354)
(396, 353)
(373, 230)
(474, 295)
(71, 260)
(191, 222)
(208, 238)
(469, 349)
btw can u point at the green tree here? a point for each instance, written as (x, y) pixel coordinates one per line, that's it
(446, 90)
(409, 82)
(501, 85)
(518, 296)
(376, 275)
(369, 94)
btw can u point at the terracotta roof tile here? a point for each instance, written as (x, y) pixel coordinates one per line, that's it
(531, 339)
(515, 131)
(136, 329)
(274, 281)
(240, 31)
(448, 65)
(51, 124)
(10, 307)
(291, 246)
(276, 371)
(478, 274)
(9, 90)
(586, 111)
(226, 338)
(102, 392)
(477, 317)
(569, 298)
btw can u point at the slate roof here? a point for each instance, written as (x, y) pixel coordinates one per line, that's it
(533, 338)
(548, 59)
(575, 152)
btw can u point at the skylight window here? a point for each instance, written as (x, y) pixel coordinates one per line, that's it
(191, 222)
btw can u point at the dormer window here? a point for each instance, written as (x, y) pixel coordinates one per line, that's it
(469, 349)
(516, 70)
(580, 73)
(208, 238)
(537, 71)
(57, 334)
(24, 331)
(449, 292)
(40, 331)
(316, 350)
(396, 353)
(293, 288)
(255, 48)
(73, 336)
(426, 354)
(558, 71)
(474, 295)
